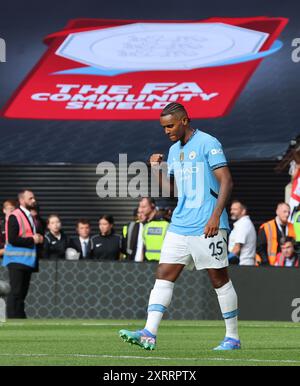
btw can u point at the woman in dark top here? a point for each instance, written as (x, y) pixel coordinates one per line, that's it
(106, 245)
(55, 241)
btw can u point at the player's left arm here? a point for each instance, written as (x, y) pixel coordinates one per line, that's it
(224, 178)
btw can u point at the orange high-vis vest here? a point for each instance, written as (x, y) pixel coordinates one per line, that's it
(20, 255)
(24, 226)
(270, 229)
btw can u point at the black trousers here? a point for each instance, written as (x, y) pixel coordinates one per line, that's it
(19, 279)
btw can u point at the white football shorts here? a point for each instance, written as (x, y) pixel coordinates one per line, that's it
(196, 251)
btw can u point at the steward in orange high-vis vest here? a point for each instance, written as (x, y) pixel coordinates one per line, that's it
(268, 241)
(20, 254)
(270, 233)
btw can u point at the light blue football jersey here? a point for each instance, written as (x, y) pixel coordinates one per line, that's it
(192, 166)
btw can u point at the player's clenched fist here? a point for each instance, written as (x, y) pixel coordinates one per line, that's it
(156, 159)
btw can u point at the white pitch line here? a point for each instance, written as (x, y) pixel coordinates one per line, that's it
(20, 324)
(105, 324)
(294, 325)
(150, 358)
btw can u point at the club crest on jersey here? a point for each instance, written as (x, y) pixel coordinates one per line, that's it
(192, 155)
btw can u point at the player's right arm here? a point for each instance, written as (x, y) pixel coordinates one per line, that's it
(165, 181)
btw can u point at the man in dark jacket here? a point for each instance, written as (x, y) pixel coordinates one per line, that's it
(82, 242)
(132, 240)
(287, 257)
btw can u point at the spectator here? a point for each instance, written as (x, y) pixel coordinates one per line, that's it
(147, 206)
(8, 207)
(82, 242)
(155, 229)
(106, 245)
(295, 192)
(270, 233)
(20, 253)
(287, 257)
(132, 242)
(242, 239)
(56, 242)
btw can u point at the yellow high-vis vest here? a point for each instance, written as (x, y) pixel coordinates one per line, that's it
(153, 235)
(297, 226)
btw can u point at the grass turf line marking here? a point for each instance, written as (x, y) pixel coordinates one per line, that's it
(114, 324)
(92, 356)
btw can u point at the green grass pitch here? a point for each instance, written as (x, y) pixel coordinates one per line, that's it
(180, 343)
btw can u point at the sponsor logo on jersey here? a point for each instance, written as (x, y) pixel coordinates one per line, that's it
(216, 151)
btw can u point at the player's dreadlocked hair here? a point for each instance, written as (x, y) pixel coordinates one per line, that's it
(174, 109)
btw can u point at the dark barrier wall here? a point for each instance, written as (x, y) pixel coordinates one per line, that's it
(113, 290)
(266, 293)
(120, 291)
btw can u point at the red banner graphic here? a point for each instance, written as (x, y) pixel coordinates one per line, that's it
(97, 69)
